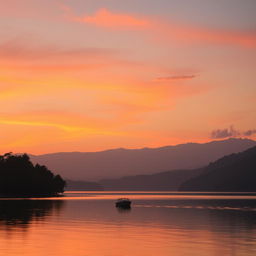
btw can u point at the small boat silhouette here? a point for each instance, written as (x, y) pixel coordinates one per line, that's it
(123, 203)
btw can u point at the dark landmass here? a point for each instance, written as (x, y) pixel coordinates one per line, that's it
(235, 172)
(232, 173)
(20, 178)
(164, 181)
(118, 163)
(83, 185)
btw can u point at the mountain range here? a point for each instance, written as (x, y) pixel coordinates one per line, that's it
(232, 173)
(163, 181)
(117, 163)
(235, 172)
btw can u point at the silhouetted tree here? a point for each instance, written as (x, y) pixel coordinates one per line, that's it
(18, 176)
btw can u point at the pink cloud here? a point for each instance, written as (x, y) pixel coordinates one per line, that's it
(105, 18)
(164, 31)
(194, 34)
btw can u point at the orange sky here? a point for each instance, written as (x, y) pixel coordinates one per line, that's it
(91, 75)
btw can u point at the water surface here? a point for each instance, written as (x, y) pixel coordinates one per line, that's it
(159, 223)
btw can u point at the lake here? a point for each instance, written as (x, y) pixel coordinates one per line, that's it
(159, 223)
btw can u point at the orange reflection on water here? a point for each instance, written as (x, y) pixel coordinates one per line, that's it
(104, 239)
(82, 225)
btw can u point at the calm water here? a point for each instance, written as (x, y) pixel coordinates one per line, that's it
(83, 223)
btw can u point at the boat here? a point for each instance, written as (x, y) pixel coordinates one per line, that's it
(123, 203)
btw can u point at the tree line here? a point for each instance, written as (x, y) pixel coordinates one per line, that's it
(20, 177)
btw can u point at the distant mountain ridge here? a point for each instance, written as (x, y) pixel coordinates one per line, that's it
(73, 185)
(163, 181)
(117, 163)
(232, 173)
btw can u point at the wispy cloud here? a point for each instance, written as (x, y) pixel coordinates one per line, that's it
(175, 77)
(105, 18)
(231, 132)
(250, 132)
(88, 81)
(189, 34)
(26, 50)
(163, 30)
(66, 121)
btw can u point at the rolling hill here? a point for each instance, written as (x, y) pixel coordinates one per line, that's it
(163, 181)
(235, 172)
(117, 163)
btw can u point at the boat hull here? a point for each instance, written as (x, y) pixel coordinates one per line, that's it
(123, 204)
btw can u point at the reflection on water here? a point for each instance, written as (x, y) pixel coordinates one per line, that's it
(123, 210)
(157, 224)
(20, 213)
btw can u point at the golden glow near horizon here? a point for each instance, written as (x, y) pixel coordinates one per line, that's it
(91, 75)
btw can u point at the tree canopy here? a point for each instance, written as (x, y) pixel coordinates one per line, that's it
(19, 177)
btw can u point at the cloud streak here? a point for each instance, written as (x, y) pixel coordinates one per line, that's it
(85, 80)
(231, 132)
(166, 31)
(26, 50)
(105, 18)
(175, 77)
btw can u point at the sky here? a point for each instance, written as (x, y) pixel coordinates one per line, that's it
(89, 75)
